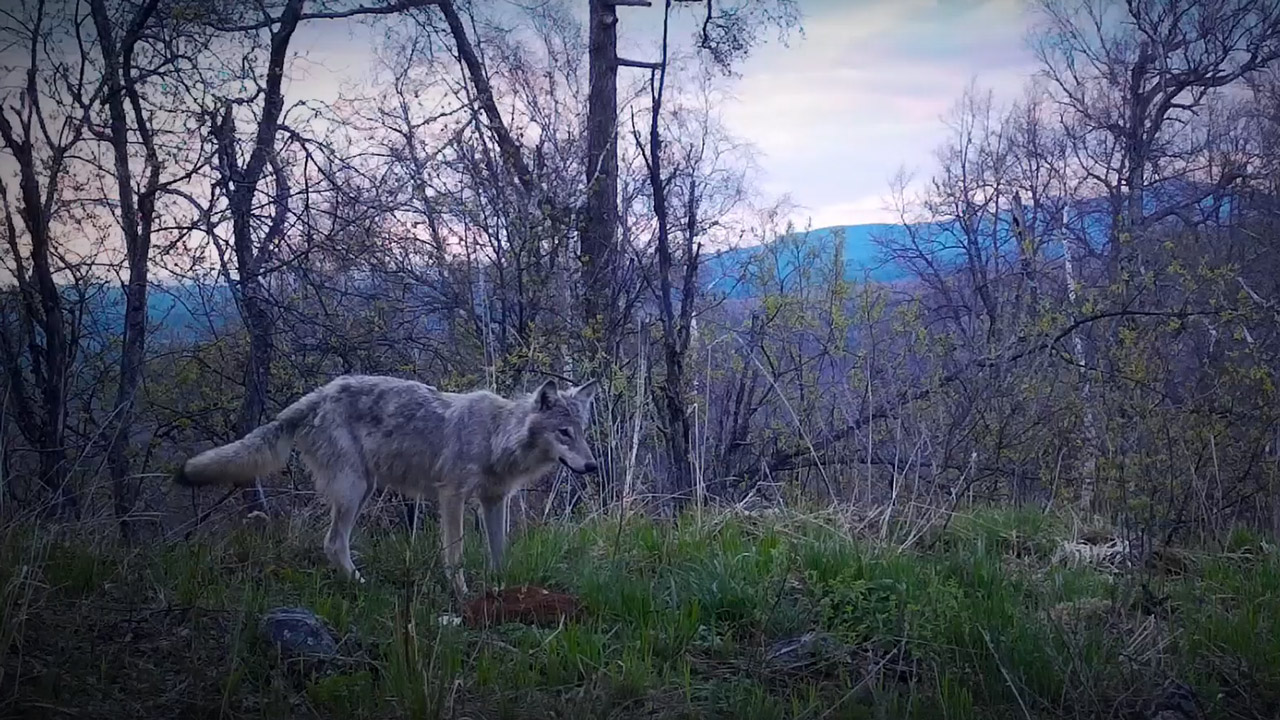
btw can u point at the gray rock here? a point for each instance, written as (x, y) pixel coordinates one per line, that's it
(811, 648)
(823, 653)
(297, 633)
(1177, 701)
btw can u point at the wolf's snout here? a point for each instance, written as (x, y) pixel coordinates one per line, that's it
(587, 467)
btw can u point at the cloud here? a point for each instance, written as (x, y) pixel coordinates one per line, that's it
(834, 114)
(868, 209)
(863, 93)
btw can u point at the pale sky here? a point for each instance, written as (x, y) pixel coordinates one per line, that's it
(863, 93)
(832, 115)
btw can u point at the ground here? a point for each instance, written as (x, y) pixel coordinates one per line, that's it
(722, 614)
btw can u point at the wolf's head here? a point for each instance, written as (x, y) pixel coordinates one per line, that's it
(559, 423)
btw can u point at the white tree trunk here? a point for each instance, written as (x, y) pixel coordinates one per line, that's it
(1089, 464)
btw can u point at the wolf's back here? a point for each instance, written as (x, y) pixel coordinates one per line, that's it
(262, 451)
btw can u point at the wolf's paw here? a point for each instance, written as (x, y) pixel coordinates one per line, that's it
(460, 590)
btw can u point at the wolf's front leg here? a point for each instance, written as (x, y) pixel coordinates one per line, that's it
(451, 507)
(495, 527)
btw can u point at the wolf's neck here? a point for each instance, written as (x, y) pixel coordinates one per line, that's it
(512, 447)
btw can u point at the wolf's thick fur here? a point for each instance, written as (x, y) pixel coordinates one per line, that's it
(359, 432)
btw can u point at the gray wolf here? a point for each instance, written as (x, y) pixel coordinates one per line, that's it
(361, 432)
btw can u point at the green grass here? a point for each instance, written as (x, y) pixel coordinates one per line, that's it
(679, 620)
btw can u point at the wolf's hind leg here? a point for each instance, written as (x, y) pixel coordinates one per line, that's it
(347, 495)
(451, 512)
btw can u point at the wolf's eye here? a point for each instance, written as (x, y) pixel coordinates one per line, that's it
(565, 433)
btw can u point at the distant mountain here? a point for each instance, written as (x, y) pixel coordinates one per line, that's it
(740, 272)
(173, 310)
(748, 271)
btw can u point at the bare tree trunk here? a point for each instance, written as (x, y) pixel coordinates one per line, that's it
(241, 185)
(676, 421)
(49, 360)
(507, 147)
(1026, 254)
(599, 226)
(136, 220)
(1089, 464)
(29, 421)
(257, 376)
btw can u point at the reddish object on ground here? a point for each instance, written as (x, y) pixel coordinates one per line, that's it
(523, 604)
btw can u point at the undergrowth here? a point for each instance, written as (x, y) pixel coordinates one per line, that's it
(696, 618)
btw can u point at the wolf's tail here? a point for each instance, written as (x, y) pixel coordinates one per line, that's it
(262, 451)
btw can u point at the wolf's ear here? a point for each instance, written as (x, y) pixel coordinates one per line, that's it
(547, 395)
(585, 392)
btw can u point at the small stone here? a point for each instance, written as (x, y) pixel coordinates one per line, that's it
(1177, 701)
(806, 649)
(298, 634)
